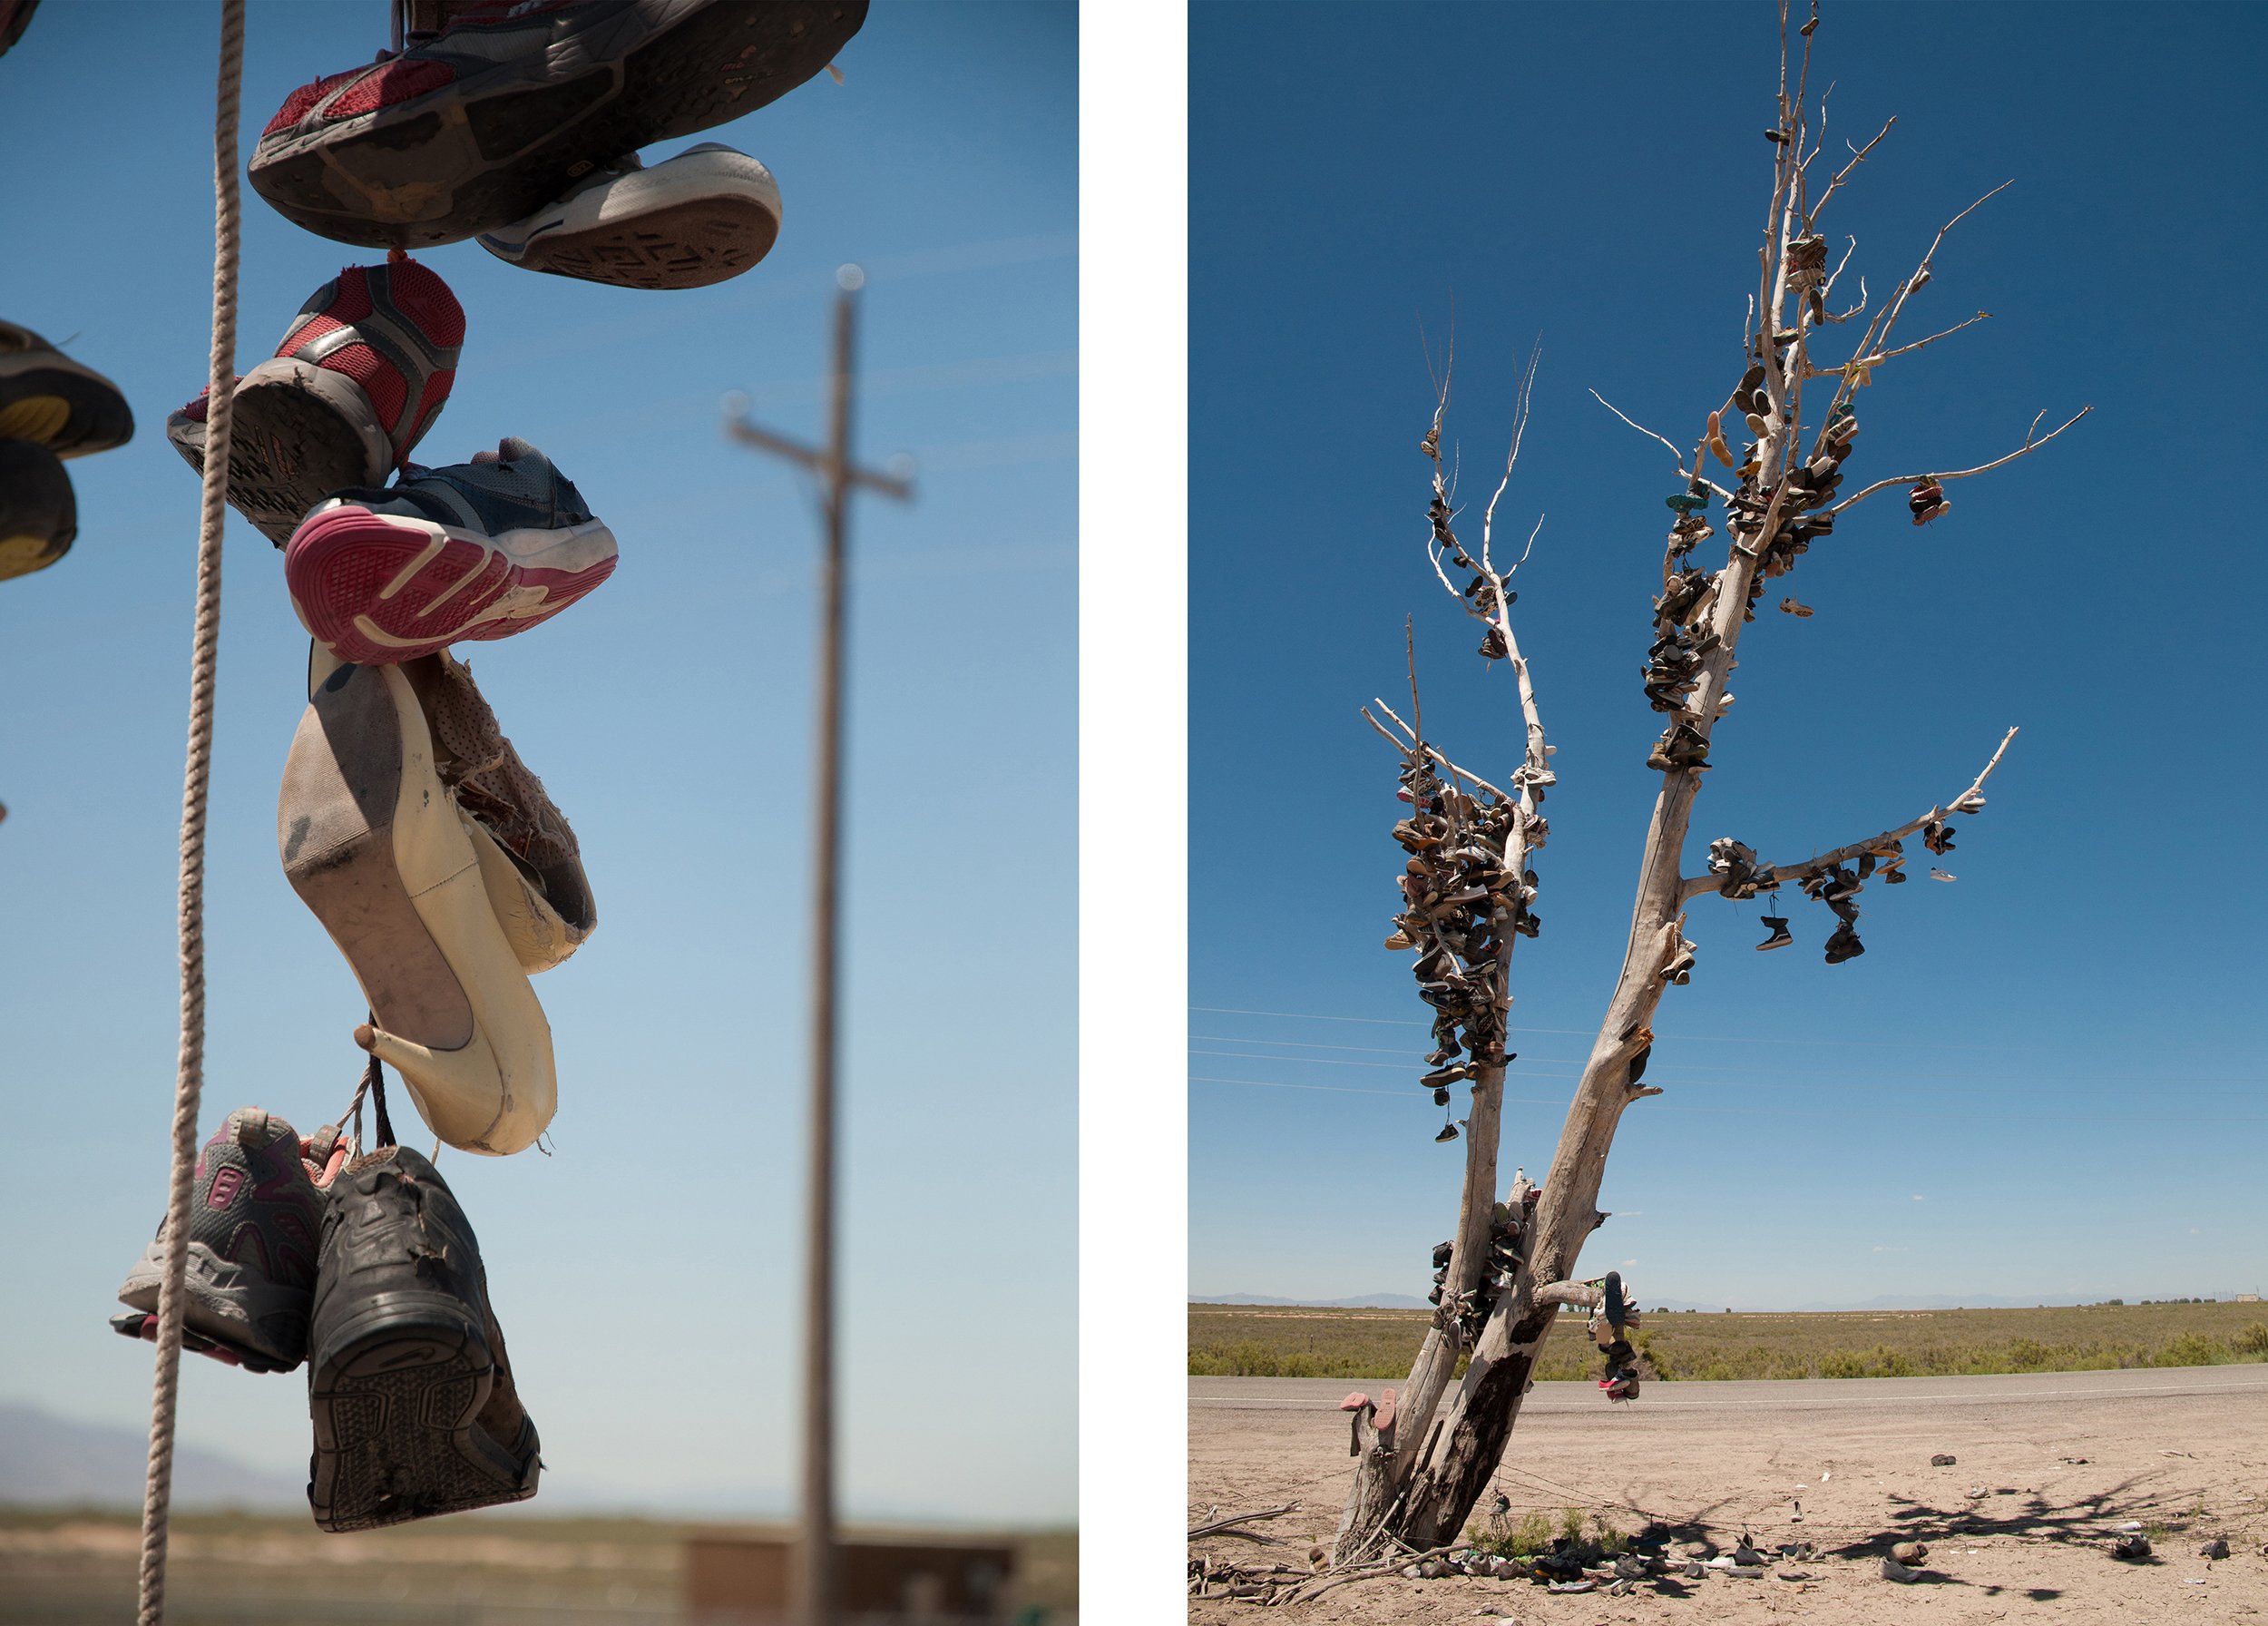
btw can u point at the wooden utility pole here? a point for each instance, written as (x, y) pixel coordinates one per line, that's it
(815, 1577)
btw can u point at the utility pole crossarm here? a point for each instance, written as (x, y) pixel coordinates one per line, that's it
(816, 460)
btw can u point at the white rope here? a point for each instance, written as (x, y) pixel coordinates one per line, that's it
(196, 784)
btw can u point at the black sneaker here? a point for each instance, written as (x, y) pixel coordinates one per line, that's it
(64, 406)
(411, 1391)
(1779, 938)
(510, 104)
(39, 513)
(256, 1221)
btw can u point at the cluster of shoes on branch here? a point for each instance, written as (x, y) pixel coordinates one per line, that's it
(1836, 884)
(1459, 905)
(1507, 1245)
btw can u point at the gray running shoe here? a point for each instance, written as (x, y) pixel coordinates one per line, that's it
(412, 1394)
(708, 214)
(255, 1219)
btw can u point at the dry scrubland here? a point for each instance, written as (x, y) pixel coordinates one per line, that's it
(1269, 1341)
(471, 1570)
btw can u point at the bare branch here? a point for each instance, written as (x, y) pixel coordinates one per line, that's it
(1641, 429)
(1581, 1293)
(1465, 773)
(1968, 801)
(1858, 367)
(1858, 157)
(1921, 277)
(2030, 445)
(1221, 1526)
(1520, 429)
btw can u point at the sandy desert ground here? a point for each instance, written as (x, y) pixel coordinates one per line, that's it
(2183, 1450)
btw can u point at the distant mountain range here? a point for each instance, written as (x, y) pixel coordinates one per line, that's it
(1887, 1301)
(1372, 1301)
(53, 1462)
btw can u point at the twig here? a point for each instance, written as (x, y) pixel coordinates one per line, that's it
(1465, 773)
(1520, 429)
(1858, 157)
(2030, 445)
(1862, 365)
(1220, 1526)
(1641, 429)
(1969, 801)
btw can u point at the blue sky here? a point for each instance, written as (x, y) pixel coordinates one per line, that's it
(2042, 1078)
(646, 1274)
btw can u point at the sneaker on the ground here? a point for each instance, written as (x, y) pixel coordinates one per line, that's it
(708, 214)
(47, 397)
(362, 373)
(39, 513)
(510, 104)
(411, 1391)
(255, 1226)
(374, 844)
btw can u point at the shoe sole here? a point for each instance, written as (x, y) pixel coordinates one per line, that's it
(225, 1307)
(683, 245)
(39, 512)
(378, 589)
(300, 432)
(697, 218)
(474, 157)
(43, 394)
(394, 1394)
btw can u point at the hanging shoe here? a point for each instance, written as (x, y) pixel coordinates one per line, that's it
(16, 17)
(362, 373)
(1779, 938)
(1941, 875)
(255, 1225)
(415, 1410)
(374, 843)
(530, 864)
(1938, 837)
(39, 513)
(1790, 606)
(510, 104)
(1449, 1133)
(1843, 944)
(704, 216)
(50, 399)
(479, 550)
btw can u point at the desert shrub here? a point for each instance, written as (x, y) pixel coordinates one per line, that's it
(2192, 1349)
(1843, 1363)
(2253, 1341)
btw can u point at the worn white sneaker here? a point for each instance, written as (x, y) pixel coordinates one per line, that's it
(708, 214)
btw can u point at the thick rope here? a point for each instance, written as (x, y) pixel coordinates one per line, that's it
(196, 785)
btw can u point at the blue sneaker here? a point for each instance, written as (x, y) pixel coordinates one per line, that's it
(481, 550)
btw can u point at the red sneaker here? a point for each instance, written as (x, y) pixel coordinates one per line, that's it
(481, 550)
(361, 375)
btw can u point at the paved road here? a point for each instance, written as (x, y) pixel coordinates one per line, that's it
(1854, 1395)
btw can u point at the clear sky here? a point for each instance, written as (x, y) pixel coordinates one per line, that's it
(646, 1275)
(2044, 1079)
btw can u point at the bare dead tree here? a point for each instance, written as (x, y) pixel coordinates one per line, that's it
(1510, 1263)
